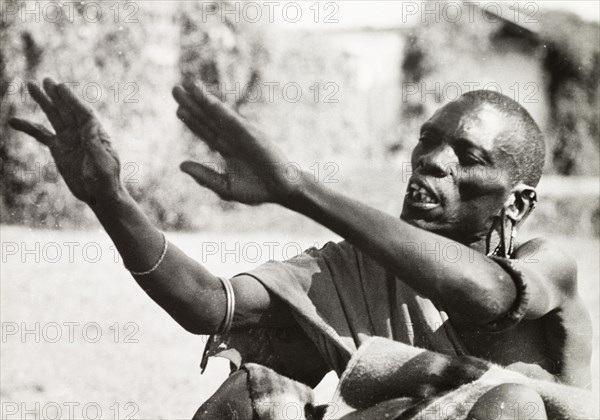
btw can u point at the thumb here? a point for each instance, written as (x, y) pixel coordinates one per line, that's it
(207, 177)
(37, 131)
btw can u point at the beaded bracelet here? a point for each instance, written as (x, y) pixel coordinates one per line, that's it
(519, 307)
(155, 266)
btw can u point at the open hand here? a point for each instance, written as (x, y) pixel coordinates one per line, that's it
(81, 148)
(255, 168)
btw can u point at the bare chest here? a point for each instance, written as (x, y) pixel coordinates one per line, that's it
(526, 343)
(559, 342)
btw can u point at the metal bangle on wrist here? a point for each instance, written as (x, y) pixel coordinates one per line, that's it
(230, 306)
(155, 266)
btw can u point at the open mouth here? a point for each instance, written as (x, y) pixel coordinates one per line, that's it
(420, 196)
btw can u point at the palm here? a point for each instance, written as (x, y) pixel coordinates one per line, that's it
(89, 172)
(243, 184)
(255, 168)
(81, 147)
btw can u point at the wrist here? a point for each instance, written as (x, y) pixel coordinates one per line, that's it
(111, 204)
(299, 197)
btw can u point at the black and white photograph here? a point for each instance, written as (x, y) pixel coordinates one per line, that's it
(286, 210)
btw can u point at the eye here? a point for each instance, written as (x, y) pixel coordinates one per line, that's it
(425, 140)
(469, 158)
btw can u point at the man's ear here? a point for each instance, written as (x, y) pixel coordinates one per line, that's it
(521, 202)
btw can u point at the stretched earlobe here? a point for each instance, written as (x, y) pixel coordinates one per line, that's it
(512, 207)
(520, 203)
(501, 238)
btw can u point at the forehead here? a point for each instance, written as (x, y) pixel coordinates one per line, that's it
(481, 126)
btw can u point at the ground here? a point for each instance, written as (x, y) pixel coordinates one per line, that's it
(79, 336)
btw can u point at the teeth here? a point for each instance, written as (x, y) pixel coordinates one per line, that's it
(419, 194)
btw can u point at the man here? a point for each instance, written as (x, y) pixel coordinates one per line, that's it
(475, 169)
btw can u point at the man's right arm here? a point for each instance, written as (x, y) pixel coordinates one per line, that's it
(192, 295)
(181, 286)
(90, 167)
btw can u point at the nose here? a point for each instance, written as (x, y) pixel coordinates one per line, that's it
(437, 162)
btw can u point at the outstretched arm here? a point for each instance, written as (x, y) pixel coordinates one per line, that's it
(472, 285)
(89, 165)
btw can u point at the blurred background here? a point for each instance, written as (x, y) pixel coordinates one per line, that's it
(342, 87)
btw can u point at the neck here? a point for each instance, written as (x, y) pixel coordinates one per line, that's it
(478, 244)
(476, 241)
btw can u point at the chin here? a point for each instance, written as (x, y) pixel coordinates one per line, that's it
(429, 225)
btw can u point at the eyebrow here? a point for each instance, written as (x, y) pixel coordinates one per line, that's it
(463, 142)
(428, 127)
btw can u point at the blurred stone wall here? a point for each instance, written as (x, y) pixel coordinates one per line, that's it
(553, 72)
(345, 105)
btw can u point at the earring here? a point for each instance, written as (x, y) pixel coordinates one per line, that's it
(513, 236)
(490, 237)
(505, 231)
(496, 238)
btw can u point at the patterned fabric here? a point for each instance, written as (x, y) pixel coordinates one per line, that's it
(388, 379)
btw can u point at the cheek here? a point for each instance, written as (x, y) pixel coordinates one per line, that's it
(476, 215)
(482, 195)
(482, 183)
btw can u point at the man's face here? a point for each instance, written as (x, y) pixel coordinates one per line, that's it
(461, 172)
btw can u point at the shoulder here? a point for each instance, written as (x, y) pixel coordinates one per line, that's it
(547, 260)
(333, 253)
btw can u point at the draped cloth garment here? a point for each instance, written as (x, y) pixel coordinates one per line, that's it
(340, 297)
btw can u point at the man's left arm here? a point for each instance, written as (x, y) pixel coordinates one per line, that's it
(473, 285)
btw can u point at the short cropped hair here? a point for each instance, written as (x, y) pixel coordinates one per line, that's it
(527, 141)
